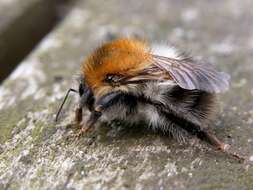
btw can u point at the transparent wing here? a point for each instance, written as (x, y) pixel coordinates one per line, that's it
(191, 75)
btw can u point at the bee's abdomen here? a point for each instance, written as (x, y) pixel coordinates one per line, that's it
(197, 106)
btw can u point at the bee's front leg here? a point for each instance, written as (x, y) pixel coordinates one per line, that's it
(90, 123)
(103, 103)
(78, 116)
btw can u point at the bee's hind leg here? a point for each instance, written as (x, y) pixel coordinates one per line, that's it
(201, 133)
(209, 137)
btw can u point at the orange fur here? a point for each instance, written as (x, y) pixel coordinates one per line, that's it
(122, 56)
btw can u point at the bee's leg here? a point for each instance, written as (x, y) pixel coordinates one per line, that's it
(78, 116)
(204, 135)
(107, 100)
(209, 137)
(103, 103)
(90, 123)
(195, 129)
(214, 141)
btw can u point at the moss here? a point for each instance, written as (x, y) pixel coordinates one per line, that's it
(8, 156)
(36, 132)
(37, 182)
(8, 119)
(13, 185)
(246, 178)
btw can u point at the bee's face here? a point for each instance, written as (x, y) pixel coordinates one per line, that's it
(111, 83)
(86, 95)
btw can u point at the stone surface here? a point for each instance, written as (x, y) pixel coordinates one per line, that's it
(34, 151)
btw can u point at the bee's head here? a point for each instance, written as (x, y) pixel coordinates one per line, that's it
(116, 66)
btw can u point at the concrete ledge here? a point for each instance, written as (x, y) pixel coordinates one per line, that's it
(22, 25)
(34, 151)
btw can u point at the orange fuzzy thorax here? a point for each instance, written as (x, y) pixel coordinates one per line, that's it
(124, 57)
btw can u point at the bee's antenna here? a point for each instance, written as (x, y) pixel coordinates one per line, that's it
(66, 96)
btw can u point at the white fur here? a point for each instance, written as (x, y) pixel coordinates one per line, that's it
(152, 116)
(165, 50)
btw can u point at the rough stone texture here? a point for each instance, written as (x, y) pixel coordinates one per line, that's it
(22, 25)
(34, 151)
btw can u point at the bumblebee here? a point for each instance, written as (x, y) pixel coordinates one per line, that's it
(127, 80)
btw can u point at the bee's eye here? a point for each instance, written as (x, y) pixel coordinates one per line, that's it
(113, 78)
(81, 89)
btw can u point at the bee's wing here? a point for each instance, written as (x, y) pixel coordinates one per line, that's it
(193, 75)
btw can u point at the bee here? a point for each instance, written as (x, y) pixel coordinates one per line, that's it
(126, 80)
